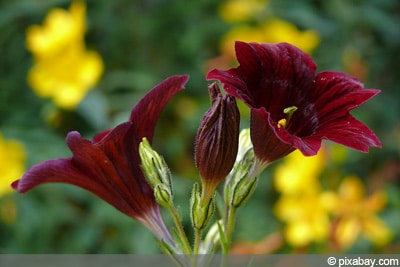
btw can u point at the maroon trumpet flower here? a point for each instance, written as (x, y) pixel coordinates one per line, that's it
(109, 166)
(292, 106)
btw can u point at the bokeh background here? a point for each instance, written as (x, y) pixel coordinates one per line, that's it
(118, 50)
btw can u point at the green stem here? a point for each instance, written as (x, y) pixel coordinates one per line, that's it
(197, 241)
(229, 226)
(196, 246)
(181, 232)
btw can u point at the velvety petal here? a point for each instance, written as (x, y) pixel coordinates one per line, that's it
(268, 75)
(273, 77)
(350, 132)
(109, 167)
(153, 103)
(101, 135)
(337, 93)
(119, 146)
(49, 171)
(268, 146)
(91, 169)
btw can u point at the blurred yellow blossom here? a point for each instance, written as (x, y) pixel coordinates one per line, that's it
(356, 214)
(306, 217)
(302, 206)
(61, 29)
(12, 163)
(240, 10)
(63, 69)
(273, 30)
(298, 174)
(278, 30)
(257, 25)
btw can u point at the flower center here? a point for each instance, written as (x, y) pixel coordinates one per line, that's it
(289, 113)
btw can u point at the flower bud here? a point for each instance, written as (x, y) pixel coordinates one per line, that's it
(213, 237)
(200, 211)
(217, 140)
(163, 195)
(153, 165)
(241, 184)
(242, 190)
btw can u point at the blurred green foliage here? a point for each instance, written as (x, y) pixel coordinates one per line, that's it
(145, 41)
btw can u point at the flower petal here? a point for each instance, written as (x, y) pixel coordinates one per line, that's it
(274, 77)
(152, 104)
(268, 75)
(89, 168)
(337, 93)
(268, 146)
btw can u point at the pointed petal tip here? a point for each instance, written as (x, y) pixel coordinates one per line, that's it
(180, 80)
(148, 109)
(374, 92)
(375, 142)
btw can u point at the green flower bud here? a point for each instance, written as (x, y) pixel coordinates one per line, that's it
(163, 195)
(217, 140)
(213, 237)
(154, 166)
(240, 186)
(242, 191)
(200, 211)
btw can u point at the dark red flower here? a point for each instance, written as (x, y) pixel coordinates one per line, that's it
(109, 166)
(292, 106)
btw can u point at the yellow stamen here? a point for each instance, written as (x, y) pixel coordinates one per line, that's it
(282, 123)
(289, 112)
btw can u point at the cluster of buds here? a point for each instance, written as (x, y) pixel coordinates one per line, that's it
(157, 173)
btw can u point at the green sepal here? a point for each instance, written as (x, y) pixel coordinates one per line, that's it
(200, 213)
(163, 195)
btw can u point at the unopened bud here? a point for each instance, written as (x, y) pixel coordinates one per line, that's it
(200, 211)
(217, 140)
(240, 186)
(213, 237)
(153, 165)
(242, 191)
(163, 195)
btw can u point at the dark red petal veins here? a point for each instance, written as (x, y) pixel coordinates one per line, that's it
(98, 137)
(338, 93)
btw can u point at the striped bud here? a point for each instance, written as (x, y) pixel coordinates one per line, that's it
(217, 141)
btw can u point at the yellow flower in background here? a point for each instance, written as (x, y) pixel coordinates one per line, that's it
(63, 69)
(306, 217)
(278, 30)
(61, 29)
(66, 79)
(298, 174)
(241, 10)
(356, 214)
(256, 25)
(12, 163)
(273, 30)
(302, 206)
